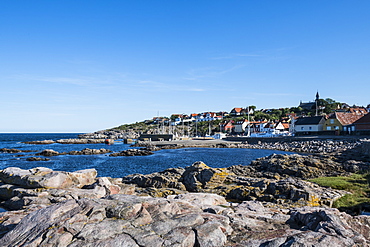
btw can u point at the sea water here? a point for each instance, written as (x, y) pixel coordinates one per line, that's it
(118, 166)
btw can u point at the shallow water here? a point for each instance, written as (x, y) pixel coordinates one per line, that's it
(119, 166)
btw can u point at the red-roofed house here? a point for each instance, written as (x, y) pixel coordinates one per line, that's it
(363, 124)
(338, 120)
(238, 112)
(258, 126)
(282, 126)
(358, 110)
(227, 127)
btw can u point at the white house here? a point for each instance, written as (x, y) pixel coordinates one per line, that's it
(309, 124)
(240, 126)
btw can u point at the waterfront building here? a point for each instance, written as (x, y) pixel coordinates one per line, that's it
(338, 120)
(309, 125)
(362, 125)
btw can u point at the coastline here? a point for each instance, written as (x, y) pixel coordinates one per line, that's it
(270, 202)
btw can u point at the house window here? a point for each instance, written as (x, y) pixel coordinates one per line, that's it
(302, 128)
(336, 127)
(310, 128)
(328, 127)
(331, 121)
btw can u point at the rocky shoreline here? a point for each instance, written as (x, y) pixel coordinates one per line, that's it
(111, 134)
(324, 146)
(268, 203)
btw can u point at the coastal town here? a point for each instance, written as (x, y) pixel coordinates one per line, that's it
(317, 117)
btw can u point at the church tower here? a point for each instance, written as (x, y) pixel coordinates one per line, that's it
(317, 102)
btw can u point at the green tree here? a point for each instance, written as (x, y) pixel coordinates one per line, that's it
(327, 105)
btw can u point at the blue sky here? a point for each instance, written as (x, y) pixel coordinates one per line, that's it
(82, 66)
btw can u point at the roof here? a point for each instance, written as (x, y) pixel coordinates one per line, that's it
(237, 109)
(364, 120)
(309, 120)
(346, 118)
(308, 105)
(242, 121)
(269, 125)
(358, 110)
(227, 124)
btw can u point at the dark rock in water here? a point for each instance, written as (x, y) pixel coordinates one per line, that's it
(82, 141)
(13, 150)
(37, 159)
(44, 142)
(88, 151)
(70, 141)
(132, 152)
(10, 150)
(151, 148)
(48, 152)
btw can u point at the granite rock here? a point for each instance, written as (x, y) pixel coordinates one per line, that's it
(129, 220)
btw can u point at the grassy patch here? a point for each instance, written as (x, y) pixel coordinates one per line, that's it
(357, 184)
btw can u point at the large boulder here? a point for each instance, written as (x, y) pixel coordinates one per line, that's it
(200, 176)
(42, 177)
(40, 187)
(169, 178)
(83, 177)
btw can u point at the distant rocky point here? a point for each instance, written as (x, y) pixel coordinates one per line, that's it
(70, 141)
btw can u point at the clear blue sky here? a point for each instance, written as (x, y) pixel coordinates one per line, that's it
(82, 66)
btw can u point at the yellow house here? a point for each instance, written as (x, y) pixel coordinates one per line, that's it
(337, 120)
